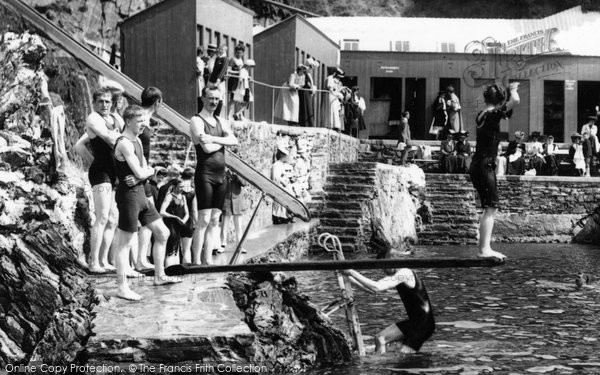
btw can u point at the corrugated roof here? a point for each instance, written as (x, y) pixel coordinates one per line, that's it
(576, 31)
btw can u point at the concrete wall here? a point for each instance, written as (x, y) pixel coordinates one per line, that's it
(258, 142)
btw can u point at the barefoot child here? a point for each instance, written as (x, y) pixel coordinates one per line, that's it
(133, 204)
(482, 171)
(420, 325)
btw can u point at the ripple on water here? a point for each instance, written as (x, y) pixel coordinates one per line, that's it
(525, 317)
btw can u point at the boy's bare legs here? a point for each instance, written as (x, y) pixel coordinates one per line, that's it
(486, 225)
(161, 234)
(186, 250)
(102, 194)
(123, 241)
(390, 334)
(109, 234)
(199, 236)
(211, 236)
(144, 237)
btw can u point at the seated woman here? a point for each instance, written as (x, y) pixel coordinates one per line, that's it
(549, 152)
(514, 154)
(534, 151)
(448, 150)
(463, 153)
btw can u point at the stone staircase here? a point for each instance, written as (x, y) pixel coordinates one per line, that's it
(341, 206)
(454, 218)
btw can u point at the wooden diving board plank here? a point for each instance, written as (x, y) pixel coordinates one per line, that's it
(363, 264)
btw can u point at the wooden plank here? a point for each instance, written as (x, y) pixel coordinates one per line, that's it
(165, 113)
(363, 264)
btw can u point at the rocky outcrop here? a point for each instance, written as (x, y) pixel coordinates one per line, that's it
(291, 334)
(365, 199)
(45, 301)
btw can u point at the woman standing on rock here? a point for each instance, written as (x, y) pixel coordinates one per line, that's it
(483, 166)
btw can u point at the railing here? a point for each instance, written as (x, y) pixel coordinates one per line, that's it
(316, 101)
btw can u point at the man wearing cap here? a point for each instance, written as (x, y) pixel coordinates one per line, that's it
(591, 128)
(211, 56)
(217, 76)
(210, 134)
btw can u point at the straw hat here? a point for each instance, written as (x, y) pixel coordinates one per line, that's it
(250, 63)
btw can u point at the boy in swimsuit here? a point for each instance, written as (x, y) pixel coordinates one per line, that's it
(420, 325)
(134, 206)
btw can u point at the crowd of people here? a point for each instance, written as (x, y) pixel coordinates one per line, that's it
(150, 217)
(232, 75)
(342, 108)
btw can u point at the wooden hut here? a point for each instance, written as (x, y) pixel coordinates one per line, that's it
(159, 44)
(279, 50)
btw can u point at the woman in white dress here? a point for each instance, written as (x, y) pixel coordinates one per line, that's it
(289, 95)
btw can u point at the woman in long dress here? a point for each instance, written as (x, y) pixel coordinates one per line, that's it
(289, 95)
(332, 105)
(306, 115)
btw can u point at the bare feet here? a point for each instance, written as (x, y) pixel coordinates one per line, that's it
(108, 267)
(489, 253)
(94, 268)
(142, 266)
(130, 273)
(165, 280)
(128, 294)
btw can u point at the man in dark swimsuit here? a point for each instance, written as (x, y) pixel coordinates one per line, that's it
(483, 166)
(101, 132)
(210, 134)
(420, 325)
(133, 204)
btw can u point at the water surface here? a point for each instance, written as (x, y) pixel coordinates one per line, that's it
(524, 317)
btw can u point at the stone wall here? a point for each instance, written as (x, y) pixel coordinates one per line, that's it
(258, 143)
(545, 209)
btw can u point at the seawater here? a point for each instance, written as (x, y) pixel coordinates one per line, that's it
(526, 316)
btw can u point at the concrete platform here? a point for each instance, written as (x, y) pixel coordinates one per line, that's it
(193, 320)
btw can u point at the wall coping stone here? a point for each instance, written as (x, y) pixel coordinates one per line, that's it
(294, 130)
(556, 179)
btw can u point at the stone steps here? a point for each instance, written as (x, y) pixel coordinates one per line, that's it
(340, 207)
(454, 217)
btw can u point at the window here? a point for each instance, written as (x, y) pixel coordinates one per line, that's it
(226, 43)
(248, 51)
(218, 38)
(401, 46)
(350, 44)
(385, 88)
(200, 35)
(209, 36)
(447, 47)
(233, 43)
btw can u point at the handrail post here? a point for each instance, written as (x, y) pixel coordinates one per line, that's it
(272, 105)
(238, 249)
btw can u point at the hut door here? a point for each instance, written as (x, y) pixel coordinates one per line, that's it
(414, 102)
(588, 97)
(554, 109)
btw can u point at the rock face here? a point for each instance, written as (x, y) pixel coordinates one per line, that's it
(368, 203)
(291, 334)
(45, 301)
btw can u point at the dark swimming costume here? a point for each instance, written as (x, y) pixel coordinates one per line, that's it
(102, 169)
(188, 230)
(210, 171)
(420, 323)
(145, 138)
(483, 166)
(131, 201)
(177, 208)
